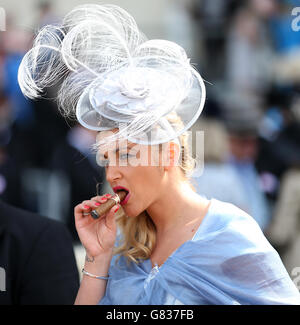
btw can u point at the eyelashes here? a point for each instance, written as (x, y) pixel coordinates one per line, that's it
(124, 156)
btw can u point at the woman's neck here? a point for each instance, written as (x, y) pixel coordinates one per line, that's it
(177, 207)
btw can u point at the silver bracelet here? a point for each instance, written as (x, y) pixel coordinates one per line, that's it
(95, 276)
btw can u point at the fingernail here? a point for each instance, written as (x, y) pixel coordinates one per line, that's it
(108, 195)
(116, 208)
(86, 206)
(97, 204)
(104, 199)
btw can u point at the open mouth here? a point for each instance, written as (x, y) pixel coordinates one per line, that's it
(118, 189)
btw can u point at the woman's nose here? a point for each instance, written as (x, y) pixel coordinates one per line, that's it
(112, 173)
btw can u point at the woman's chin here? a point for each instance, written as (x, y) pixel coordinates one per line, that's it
(130, 213)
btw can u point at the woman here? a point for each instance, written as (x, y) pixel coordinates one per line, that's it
(164, 244)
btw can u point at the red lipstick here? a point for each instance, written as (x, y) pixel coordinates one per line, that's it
(122, 188)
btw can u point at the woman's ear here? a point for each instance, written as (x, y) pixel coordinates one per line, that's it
(171, 155)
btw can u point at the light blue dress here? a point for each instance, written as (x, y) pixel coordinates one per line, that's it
(228, 262)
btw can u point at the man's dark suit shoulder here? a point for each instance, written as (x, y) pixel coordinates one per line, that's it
(18, 222)
(37, 255)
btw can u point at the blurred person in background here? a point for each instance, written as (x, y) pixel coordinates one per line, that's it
(23, 139)
(34, 129)
(279, 137)
(16, 42)
(242, 117)
(218, 179)
(46, 15)
(179, 27)
(51, 128)
(72, 156)
(10, 172)
(211, 21)
(230, 153)
(33, 121)
(21, 142)
(248, 52)
(284, 230)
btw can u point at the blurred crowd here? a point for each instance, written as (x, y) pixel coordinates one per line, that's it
(46, 165)
(248, 54)
(250, 60)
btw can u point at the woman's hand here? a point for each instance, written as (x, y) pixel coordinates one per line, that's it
(96, 235)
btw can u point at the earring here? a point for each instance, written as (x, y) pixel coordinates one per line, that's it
(172, 153)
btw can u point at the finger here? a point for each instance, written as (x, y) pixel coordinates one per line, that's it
(94, 203)
(110, 219)
(102, 198)
(84, 208)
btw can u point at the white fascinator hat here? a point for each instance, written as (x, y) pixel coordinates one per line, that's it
(111, 77)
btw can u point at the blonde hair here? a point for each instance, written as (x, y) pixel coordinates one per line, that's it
(139, 233)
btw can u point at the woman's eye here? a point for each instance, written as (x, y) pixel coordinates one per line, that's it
(125, 156)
